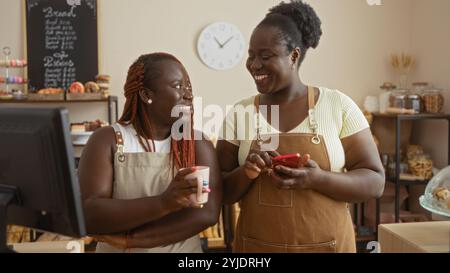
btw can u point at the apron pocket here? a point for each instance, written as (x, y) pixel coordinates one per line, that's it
(257, 246)
(270, 195)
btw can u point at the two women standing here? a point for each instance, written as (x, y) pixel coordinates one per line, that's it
(134, 189)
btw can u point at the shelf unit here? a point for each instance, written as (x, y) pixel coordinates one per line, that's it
(112, 102)
(7, 53)
(398, 182)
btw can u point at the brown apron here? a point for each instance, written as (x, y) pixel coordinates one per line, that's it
(275, 220)
(138, 175)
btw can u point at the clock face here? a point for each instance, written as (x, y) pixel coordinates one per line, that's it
(221, 46)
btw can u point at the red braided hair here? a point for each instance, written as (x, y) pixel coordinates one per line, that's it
(182, 151)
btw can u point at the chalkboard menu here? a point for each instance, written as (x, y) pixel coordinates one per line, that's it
(62, 45)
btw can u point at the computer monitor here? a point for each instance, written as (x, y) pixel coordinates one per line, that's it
(38, 182)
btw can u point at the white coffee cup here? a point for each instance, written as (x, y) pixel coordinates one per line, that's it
(202, 176)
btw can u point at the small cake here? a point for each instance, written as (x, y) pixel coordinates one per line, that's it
(103, 83)
(103, 86)
(76, 87)
(102, 79)
(91, 87)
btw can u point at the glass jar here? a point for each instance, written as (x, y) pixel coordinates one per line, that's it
(398, 99)
(413, 102)
(421, 166)
(420, 87)
(433, 101)
(387, 88)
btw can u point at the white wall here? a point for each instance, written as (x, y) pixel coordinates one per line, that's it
(431, 46)
(352, 55)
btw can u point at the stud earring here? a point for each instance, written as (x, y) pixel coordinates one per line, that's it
(149, 101)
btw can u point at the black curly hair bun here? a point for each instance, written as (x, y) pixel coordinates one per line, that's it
(306, 19)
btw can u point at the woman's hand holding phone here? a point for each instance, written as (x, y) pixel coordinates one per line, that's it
(258, 161)
(300, 177)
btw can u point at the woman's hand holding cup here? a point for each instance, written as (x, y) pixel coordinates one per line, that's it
(177, 195)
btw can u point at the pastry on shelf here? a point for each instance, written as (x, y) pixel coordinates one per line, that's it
(47, 91)
(5, 95)
(87, 126)
(91, 87)
(103, 78)
(76, 87)
(103, 82)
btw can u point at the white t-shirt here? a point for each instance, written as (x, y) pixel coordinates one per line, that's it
(131, 141)
(336, 114)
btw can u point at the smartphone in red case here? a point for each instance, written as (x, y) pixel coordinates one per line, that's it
(289, 160)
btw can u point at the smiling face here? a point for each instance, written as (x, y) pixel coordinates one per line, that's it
(268, 62)
(170, 88)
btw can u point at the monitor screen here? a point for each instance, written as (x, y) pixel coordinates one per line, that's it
(36, 157)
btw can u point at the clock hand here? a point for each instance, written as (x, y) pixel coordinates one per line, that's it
(226, 42)
(220, 45)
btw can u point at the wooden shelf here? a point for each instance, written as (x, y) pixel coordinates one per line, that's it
(412, 116)
(10, 66)
(404, 181)
(51, 101)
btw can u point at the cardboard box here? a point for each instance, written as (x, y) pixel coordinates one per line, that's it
(423, 237)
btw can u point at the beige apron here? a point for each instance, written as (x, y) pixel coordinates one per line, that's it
(138, 175)
(275, 220)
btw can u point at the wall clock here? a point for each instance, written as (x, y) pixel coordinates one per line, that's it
(221, 46)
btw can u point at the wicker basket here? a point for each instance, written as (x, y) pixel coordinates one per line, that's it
(17, 234)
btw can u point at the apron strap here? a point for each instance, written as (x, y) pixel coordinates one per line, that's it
(119, 146)
(313, 125)
(311, 98)
(119, 138)
(259, 140)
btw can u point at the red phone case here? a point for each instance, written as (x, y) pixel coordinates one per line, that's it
(289, 160)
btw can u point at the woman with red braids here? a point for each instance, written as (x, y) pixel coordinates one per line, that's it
(135, 196)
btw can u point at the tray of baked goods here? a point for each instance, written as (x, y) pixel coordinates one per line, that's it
(90, 90)
(47, 94)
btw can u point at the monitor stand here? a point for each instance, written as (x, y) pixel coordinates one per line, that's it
(8, 196)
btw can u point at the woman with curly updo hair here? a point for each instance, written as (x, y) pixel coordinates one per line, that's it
(297, 202)
(136, 196)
